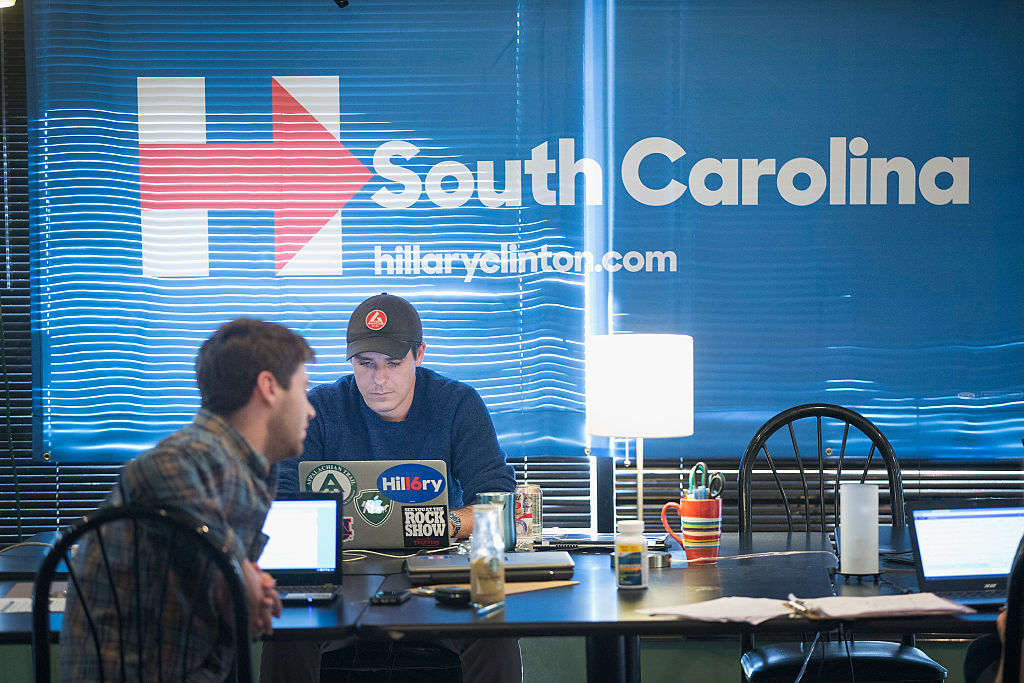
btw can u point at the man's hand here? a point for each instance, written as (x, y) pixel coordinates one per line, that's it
(270, 594)
(264, 602)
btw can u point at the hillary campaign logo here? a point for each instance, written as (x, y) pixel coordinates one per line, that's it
(304, 175)
(411, 483)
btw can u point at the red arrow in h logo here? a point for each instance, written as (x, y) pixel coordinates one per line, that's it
(305, 175)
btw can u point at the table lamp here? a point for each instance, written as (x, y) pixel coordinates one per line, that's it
(640, 386)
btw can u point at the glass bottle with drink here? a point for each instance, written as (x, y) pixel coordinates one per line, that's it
(486, 557)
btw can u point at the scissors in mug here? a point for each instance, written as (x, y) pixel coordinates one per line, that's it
(705, 484)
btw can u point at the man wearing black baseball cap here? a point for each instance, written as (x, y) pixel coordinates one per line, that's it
(392, 408)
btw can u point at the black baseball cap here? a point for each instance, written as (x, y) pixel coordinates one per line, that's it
(384, 323)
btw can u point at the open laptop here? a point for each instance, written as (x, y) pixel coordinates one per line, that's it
(388, 504)
(539, 566)
(304, 551)
(963, 550)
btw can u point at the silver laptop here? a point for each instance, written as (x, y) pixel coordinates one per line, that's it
(596, 542)
(388, 504)
(963, 550)
(535, 566)
(304, 551)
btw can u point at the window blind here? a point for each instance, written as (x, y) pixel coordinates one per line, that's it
(215, 172)
(39, 494)
(909, 312)
(35, 495)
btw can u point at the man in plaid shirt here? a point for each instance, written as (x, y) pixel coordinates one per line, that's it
(222, 470)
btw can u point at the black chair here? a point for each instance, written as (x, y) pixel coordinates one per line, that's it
(1014, 619)
(133, 606)
(806, 489)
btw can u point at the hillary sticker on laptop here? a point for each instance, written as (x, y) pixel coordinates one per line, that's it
(347, 534)
(411, 482)
(331, 478)
(425, 526)
(373, 507)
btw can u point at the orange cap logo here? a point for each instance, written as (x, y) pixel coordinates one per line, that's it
(376, 319)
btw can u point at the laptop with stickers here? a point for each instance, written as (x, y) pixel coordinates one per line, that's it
(303, 552)
(964, 549)
(388, 504)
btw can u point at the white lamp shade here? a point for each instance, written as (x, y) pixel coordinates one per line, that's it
(640, 385)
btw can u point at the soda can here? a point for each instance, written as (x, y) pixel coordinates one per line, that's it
(529, 512)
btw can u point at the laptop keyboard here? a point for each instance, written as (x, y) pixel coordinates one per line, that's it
(988, 597)
(320, 589)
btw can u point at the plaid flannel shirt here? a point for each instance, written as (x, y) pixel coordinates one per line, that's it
(210, 471)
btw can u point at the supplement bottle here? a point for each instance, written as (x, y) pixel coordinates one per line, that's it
(631, 555)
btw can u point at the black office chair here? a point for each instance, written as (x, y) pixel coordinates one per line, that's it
(1014, 619)
(185, 558)
(806, 489)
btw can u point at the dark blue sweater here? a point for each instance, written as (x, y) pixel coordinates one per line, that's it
(447, 421)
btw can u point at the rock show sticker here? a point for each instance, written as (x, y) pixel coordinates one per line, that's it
(331, 478)
(425, 526)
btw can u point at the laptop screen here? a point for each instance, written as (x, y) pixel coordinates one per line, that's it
(303, 535)
(970, 542)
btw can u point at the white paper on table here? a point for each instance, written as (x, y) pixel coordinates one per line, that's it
(24, 605)
(909, 604)
(736, 609)
(754, 611)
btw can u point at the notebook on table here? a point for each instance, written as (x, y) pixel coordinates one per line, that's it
(388, 504)
(552, 565)
(304, 551)
(963, 550)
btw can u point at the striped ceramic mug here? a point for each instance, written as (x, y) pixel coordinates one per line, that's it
(702, 528)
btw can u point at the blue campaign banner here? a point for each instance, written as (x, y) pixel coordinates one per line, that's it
(822, 195)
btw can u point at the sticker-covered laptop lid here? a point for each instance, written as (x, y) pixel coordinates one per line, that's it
(388, 504)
